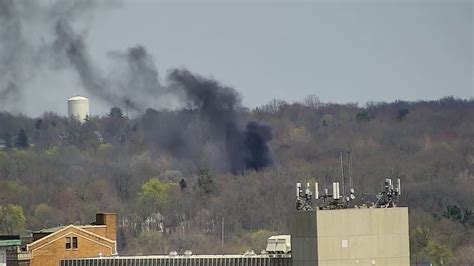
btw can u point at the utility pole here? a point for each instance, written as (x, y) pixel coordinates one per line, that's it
(222, 234)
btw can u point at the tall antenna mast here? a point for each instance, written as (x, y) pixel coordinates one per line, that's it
(342, 177)
(351, 177)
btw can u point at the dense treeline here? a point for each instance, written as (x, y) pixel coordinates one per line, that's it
(54, 170)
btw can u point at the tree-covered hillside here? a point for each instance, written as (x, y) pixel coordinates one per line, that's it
(176, 177)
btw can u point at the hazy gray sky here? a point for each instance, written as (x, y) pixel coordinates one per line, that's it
(341, 51)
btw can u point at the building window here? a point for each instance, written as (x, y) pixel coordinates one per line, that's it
(74, 242)
(71, 242)
(68, 243)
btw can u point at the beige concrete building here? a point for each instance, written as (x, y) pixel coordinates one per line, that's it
(369, 236)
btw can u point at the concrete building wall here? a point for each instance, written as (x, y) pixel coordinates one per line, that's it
(363, 237)
(303, 239)
(351, 237)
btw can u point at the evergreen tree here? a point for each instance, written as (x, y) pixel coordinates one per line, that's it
(116, 112)
(402, 113)
(183, 184)
(22, 139)
(205, 181)
(8, 140)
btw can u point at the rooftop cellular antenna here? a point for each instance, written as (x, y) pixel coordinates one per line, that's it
(304, 198)
(386, 198)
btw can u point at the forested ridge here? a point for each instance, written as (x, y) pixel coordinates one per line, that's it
(176, 189)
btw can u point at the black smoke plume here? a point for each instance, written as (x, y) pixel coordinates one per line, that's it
(210, 119)
(219, 106)
(72, 47)
(26, 42)
(134, 87)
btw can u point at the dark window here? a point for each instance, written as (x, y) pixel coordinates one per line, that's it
(71, 242)
(68, 243)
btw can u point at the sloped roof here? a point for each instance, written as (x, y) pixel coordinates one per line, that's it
(57, 233)
(49, 230)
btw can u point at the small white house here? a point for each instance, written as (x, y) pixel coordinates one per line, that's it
(3, 145)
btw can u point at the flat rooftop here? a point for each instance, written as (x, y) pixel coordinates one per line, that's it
(230, 256)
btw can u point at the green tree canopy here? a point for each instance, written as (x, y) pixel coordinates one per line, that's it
(154, 195)
(439, 254)
(44, 215)
(12, 219)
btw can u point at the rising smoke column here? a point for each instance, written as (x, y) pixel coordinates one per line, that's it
(136, 77)
(71, 46)
(135, 85)
(26, 43)
(43, 36)
(256, 138)
(217, 104)
(46, 36)
(133, 89)
(14, 52)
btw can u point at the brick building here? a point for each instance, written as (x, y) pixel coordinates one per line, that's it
(49, 246)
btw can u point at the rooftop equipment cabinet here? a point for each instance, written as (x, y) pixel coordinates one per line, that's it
(279, 244)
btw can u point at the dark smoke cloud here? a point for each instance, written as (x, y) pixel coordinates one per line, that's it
(10, 93)
(13, 52)
(141, 69)
(136, 77)
(210, 118)
(214, 101)
(26, 43)
(72, 46)
(38, 36)
(219, 106)
(134, 88)
(258, 155)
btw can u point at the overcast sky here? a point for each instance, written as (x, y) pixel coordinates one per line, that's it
(341, 51)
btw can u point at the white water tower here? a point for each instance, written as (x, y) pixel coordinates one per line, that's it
(78, 108)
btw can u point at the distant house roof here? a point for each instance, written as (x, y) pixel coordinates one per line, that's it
(9, 240)
(49, 230)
